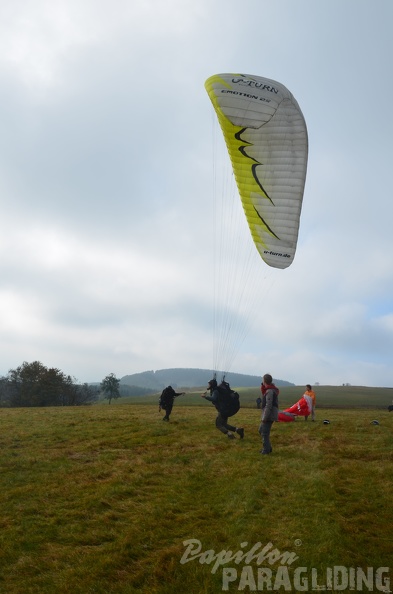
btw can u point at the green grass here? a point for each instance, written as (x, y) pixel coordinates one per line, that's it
(100, 499)
(327, 397)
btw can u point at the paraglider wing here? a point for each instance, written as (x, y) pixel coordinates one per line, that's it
(285, 417)
(266, 137)
(301, 408)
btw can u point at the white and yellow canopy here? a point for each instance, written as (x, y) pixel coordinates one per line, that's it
(266, 136)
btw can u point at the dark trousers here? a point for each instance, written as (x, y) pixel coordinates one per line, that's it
(264, 430)
(168, 409)
(222, 424)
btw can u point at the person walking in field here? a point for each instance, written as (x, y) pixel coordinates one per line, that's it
(311, 394)
(226, 402)
(269, 411)
(167, 398)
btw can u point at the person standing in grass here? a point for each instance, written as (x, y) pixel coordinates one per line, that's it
(221, 401)
(311, 394)
(167, 398)
(269, 411)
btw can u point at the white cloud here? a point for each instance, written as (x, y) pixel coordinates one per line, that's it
(106, 156)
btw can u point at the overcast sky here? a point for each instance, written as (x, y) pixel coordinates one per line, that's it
(106, 182)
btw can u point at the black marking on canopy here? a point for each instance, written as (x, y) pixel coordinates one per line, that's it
(238, 136)
(254, 173)
(266, 225)
(242, 150)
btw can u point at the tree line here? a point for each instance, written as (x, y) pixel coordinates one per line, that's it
(33, 384)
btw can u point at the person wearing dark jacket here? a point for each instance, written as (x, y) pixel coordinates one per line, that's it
(269, 411)
(166, 401)
(217, 397)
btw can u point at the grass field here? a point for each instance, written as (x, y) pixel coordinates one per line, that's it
(101, 499)
(327, 397)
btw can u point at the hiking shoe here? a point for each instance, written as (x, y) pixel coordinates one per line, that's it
(231, 436)
(240, 431)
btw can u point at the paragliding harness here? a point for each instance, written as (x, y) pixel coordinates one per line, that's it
(229, 399)
(166, 398)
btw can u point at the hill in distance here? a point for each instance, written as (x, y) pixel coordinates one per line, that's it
(190, 378)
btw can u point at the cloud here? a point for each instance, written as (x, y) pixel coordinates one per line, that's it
(107, 234)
